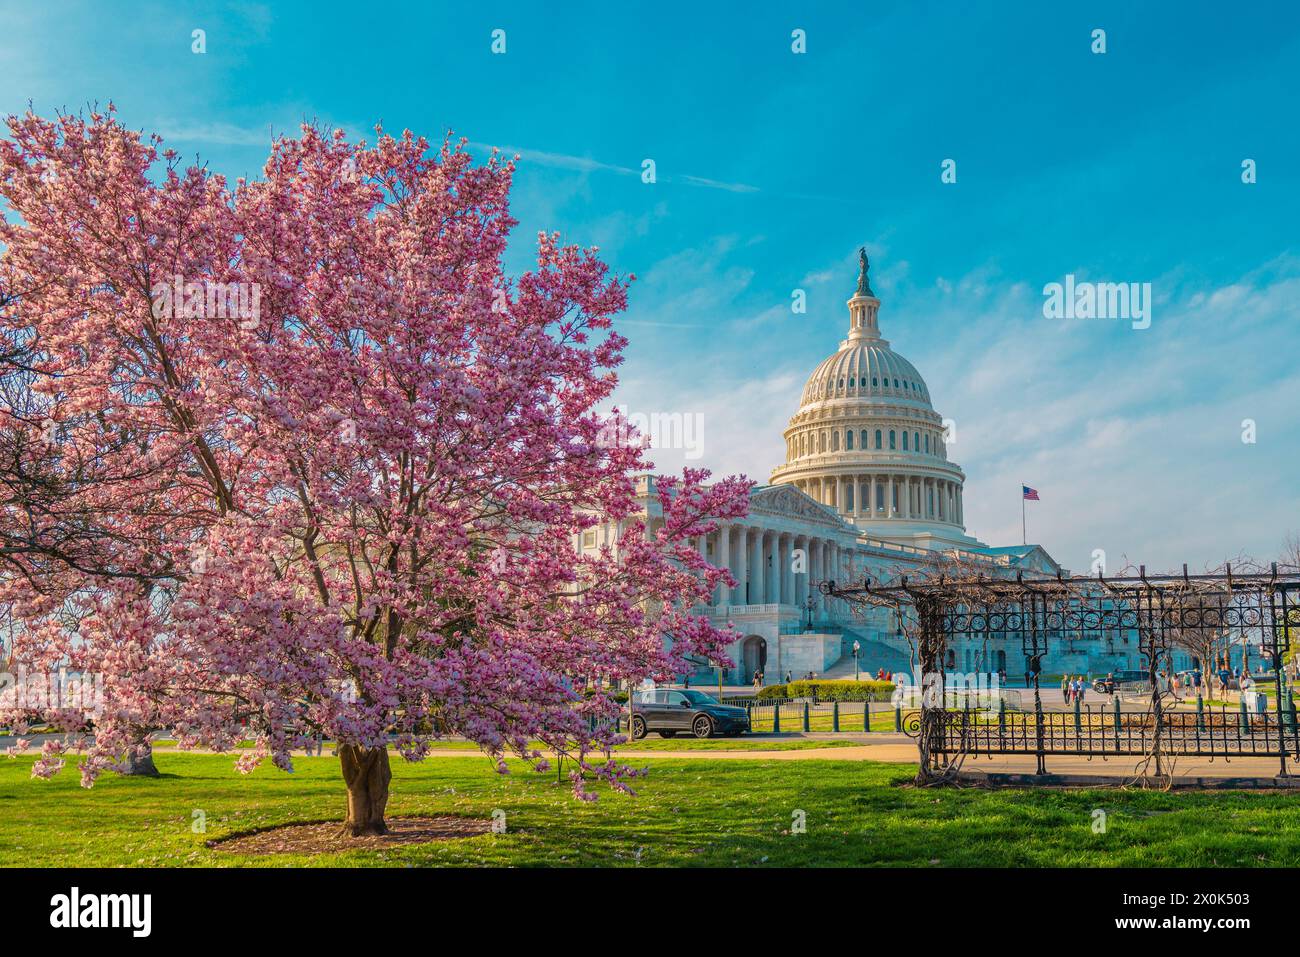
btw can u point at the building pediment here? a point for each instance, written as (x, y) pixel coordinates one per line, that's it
(789, 502)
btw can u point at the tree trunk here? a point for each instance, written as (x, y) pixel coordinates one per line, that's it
(140, 763)
(367, 775)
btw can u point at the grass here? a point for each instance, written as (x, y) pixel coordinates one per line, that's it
(688, 812)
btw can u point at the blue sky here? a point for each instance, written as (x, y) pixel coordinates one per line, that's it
(772, 168)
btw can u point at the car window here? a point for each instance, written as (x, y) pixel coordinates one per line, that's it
(661, 697)
(643, 697)
(676, 698)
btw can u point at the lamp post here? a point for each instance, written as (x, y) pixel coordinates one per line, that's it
(857, 646)
(810, 603)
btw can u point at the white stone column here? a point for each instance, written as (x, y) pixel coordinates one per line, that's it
(724, 561)
(757, 568)
(797, 579)
(742, 566)
(889, 496)
(834, 572)
(783, 563)
(816, 551)
(772, 565)
(828, 550)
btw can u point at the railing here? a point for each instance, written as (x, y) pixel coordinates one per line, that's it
(1103, 732)
(805, 714)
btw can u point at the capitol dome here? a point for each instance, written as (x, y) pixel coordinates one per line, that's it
(867, 442)
(868, 368)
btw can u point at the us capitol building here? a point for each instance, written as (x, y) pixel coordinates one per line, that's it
(866, 488)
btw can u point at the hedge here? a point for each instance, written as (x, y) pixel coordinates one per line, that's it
(821, 690)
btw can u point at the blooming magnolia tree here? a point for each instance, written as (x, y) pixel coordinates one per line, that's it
(295, 458)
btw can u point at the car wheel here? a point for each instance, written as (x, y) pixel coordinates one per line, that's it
(638, 728)
(667, 734)
(703, 727)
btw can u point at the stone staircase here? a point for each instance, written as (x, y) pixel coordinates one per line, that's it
(870, 660)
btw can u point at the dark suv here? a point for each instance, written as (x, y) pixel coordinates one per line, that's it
(1107, 684)
(694, 712)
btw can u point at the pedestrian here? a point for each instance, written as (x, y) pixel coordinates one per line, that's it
(1081, 692)
(758, 680)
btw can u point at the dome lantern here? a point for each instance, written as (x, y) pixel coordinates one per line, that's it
(864, 306)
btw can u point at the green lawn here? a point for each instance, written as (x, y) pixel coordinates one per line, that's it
(700, 812)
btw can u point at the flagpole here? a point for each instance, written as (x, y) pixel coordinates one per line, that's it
(1024, 537)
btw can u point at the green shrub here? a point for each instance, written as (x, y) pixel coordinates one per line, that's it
(840, 690)
(773, 691)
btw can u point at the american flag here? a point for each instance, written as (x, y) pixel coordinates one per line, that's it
(1030, 494)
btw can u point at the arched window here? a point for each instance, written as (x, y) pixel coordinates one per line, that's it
(904, 441)
(916, 441)
(848, 497)
(895, 383)
(862, 383)
(848, 441)
(835, 441)
(891, 439)
(878, 445)
(862, 440)
(927, 443)
(875, 382)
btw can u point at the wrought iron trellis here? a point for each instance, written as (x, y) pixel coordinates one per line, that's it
(1037, 611)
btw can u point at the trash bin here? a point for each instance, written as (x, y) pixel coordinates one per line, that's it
(1256, 702)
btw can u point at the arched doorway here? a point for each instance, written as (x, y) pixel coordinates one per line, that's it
(753, 656)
